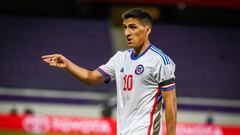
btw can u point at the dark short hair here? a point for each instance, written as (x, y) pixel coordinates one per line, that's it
(140, 14)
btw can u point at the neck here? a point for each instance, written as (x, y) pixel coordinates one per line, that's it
(142, 48)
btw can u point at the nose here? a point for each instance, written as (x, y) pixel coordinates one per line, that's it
(127, 32)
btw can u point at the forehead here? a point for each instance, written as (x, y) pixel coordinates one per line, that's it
(129, 21)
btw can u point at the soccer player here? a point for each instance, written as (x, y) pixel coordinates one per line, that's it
(144, 77)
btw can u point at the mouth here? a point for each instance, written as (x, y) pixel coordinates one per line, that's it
(129, 40)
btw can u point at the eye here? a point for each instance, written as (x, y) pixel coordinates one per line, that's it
(124, 27)
(132, 27)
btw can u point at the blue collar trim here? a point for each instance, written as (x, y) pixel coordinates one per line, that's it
(140, 55)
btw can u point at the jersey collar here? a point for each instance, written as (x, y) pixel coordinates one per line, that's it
(140, 55)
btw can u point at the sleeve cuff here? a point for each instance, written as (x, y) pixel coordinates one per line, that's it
(168, 88)
(106, 75)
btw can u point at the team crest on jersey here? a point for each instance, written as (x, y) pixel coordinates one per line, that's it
(139, 69)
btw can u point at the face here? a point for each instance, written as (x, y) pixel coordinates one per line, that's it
(136, 33)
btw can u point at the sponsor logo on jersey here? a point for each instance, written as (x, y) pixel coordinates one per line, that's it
(139, 69)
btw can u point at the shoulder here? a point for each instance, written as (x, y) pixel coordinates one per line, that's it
(124, 52)
(159, 55)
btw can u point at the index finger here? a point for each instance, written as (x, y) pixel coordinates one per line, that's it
(47, 56)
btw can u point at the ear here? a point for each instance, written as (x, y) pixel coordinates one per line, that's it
(148, 30)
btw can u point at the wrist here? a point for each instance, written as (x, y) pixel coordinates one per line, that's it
(67, 64)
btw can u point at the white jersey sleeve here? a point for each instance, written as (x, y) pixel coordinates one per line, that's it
(164, 74)
(108, 69)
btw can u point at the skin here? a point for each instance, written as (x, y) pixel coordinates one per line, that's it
(137, 36)
(170, 101)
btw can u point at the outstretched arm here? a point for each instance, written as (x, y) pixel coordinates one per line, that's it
(169, 98)
(84, 75)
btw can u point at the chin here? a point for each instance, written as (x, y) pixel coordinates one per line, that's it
(131, 45)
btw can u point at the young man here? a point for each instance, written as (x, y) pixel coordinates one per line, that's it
(144, 75)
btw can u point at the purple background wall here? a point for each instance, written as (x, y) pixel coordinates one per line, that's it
(24, 40)
(207, 58)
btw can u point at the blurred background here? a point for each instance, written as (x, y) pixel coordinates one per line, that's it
(202, 37)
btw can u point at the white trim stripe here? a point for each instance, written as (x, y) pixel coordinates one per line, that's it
(53, 93)
(102, 96)
(167, 86)
(209, 101)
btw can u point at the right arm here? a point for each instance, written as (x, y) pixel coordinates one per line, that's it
(84, 75)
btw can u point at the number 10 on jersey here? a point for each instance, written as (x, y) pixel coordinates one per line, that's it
(128, 81)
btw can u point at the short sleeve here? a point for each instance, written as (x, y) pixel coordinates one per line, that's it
(108, 69)
(164, 75)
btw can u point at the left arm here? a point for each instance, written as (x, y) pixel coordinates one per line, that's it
(169, 98)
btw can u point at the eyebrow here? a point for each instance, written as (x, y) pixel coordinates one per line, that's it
(131, 24)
